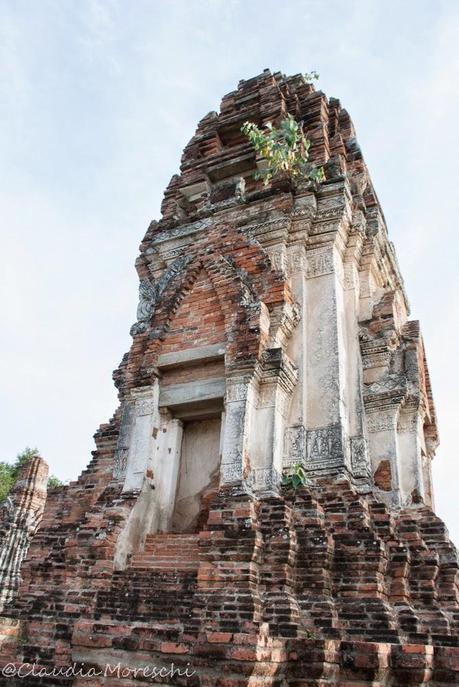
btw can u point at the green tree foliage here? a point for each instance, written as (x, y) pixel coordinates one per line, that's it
(54, 481)
(285, 150)
(6, 480)
(9, 472)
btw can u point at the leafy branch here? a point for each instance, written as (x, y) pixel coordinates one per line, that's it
(9, 472)
(295, 477)
(285, 150)
(309, 77)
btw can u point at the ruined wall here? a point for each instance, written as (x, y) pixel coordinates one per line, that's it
(277, 314)
(20, 516)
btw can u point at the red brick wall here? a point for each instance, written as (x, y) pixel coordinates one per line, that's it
(199, 319)
(193, 373)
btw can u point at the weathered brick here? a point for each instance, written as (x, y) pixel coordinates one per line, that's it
(326, 584)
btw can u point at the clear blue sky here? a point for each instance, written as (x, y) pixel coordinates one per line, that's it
(98, 99)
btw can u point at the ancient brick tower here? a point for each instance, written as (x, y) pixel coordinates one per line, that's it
(271, 331)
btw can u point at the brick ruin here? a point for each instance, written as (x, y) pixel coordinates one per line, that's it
(272, 330)
(20, 516)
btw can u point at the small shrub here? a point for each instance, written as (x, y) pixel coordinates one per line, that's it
(295, 477)
(309, 77)
(54, 481)
(285, 149)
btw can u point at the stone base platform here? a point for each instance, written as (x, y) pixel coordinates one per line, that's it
(321, 586)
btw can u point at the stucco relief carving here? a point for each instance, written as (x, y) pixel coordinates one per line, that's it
(263, 479)
(233, 441)
(296, 261)
(277, 224)
(184, 230)
(172, 253)
(332, 212)
(325, 343)
(7, 510)
(150, 293)
(366, 288)
(359, 457)
(350, 276)
(144, 406)
(272, 395)
(231, 472)
(374, 221)
(376, 360)
(267, 395)
(306, 214)
(295, 445)
(389, 382)
(236, 391)
(305, 205)
(124, 438)
(324, 445)
(330, 216)
(359, 222)
(120, 462)
(319, 262)
(278, 259)
(330, 388)
(283, 325)
(408, 423)
(382, 421)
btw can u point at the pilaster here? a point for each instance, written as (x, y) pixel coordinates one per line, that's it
(326, 417)
(277, 377)
(142, 418)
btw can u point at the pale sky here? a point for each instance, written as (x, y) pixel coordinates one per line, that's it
(98, 99)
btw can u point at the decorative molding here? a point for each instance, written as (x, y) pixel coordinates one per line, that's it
(278, 259)
(325, 446)
(370, 360)
(359, 457)
(231, 472)
(359, 223)
(319, 261)
(389, 382)
(408, 423)
(124, 437)
(383, 421)
(332, 212)
(264, 479)
(267, 396)
(183, 230)
(329, 218)
(236, 391)
(144, 406)
(296, 261)
(350, 276)
(295, 445)
(150, 293)
(277, 224)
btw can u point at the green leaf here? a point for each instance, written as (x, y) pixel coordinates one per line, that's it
(296, 481)
(285, 149)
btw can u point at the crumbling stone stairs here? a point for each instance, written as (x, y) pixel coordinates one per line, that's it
(317, 570)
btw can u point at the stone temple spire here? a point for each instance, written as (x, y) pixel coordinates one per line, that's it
(323, 304)
(272, 334)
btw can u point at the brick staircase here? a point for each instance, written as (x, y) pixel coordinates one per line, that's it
(168, 552)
